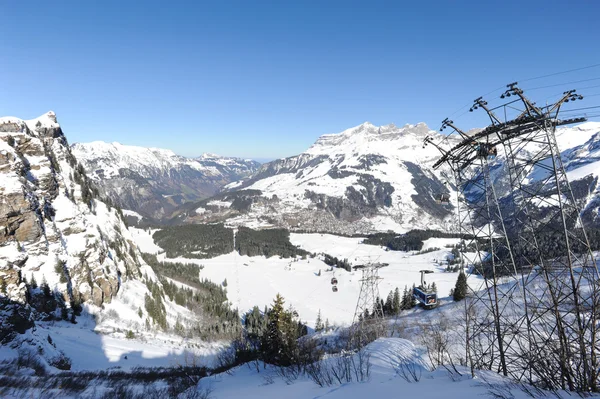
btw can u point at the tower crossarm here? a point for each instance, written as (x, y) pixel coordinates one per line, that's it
(568, 96)
(481, 103)
(530, 108)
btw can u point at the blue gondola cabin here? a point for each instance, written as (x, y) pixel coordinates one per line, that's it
(427, 299)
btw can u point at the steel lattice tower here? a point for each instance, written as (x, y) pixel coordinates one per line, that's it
(367, 323)
(533, 302)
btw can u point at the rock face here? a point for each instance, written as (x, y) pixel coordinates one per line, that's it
(154, 181)
(53, 226)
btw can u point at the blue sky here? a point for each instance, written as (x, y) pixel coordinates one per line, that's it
(264, 79)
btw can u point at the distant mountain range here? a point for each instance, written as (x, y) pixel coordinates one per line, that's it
(153, 181)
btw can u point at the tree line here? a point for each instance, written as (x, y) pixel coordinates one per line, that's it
(266, 242)
(411, 241)
(195, 240)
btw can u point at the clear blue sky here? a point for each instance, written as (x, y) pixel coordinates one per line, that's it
(264, 79)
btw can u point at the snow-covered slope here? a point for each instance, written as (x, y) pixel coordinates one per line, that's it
(152, 181)
(363, 179)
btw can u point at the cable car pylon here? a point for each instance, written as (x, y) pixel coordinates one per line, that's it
(532, 309)
(368, 322)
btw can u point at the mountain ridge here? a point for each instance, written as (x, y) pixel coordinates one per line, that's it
(153, 181)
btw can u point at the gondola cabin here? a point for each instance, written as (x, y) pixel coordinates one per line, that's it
(334, 288)
(427, 299)
(334, 281)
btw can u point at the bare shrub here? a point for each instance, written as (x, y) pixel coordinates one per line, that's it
(27, 358)
(410, 371)
(61, 362)
(346, 368)
(120, 392)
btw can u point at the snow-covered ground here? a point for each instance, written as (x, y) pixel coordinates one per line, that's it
(256, 280)
(386, 381)
(134, 214)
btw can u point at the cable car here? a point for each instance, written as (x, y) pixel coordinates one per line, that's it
(334, 281)
(334, 288)
(426, 298)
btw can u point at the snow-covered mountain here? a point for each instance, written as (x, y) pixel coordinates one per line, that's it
(53, 227)
(371, 178)
(67, 255)
(364, 179)
(153, 181)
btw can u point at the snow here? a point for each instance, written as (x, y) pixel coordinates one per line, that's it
(134, 214)
(592, 168)
(111, 157)
(387, 356)
(256, 280)
(349, 152)
(220, 204)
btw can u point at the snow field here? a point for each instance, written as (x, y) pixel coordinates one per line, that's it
(386, 357)
(257, 280)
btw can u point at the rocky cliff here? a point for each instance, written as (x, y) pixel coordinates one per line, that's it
(54, 229)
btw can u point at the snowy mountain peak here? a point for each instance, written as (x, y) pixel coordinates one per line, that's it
(371, 139)
(209, 155)
(13, 124)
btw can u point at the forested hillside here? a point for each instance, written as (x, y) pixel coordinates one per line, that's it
(195, 240)
(269, 242)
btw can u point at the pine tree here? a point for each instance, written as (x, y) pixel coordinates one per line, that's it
(396, 301)
(405, 299)
(411, 299)
(33, 282)
(434, 287)
(388, 308)
(460, 289)
(327, 325)
(273, 341)
(319, 322)
(2, 286)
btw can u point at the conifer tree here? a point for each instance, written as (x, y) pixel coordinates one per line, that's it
(405, 299)
(396, 301)
(319, 322)
(278, 344)
(388, 308)
(460, 289)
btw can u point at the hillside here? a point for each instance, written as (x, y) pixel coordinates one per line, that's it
(153, 181)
